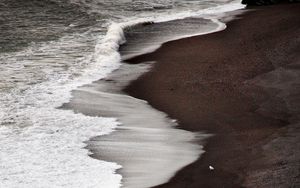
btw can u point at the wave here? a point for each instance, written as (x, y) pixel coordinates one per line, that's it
(47, 145)
(42, 145)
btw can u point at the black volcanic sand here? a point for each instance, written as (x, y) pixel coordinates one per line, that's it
(241, 84)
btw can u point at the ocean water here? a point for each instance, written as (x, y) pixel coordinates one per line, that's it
(49, 48)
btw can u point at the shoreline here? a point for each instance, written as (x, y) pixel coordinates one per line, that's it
(143, 130)
(232, 99)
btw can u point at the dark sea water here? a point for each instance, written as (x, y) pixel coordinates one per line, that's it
(51, 50)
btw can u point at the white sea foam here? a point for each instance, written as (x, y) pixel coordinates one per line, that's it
(51, 154)
(41, 145)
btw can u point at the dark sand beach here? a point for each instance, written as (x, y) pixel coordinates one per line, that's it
(242, 85)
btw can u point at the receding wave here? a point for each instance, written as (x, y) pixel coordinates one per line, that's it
(42, 144)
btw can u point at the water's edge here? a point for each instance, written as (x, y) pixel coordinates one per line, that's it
(147, 145)
(39, 77)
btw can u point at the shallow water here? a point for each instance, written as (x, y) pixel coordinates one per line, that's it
(146, 145)
(49, 48)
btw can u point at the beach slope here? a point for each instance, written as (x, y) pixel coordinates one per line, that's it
(242, 85)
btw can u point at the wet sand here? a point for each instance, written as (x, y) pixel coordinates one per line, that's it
(242, 85)
(147, 143)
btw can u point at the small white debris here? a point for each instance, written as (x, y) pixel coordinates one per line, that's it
(72, 25)
(211, 168)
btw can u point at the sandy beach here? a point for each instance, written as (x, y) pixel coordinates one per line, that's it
(149, 93)
(242, 85)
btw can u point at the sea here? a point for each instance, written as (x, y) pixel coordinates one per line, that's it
(64, 120)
